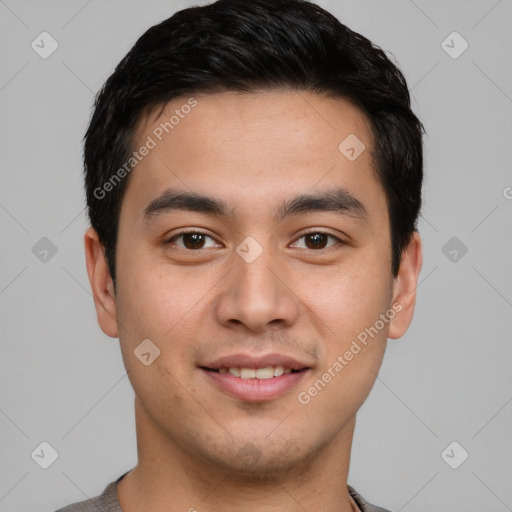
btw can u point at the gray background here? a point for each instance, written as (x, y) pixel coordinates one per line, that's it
(448, 379)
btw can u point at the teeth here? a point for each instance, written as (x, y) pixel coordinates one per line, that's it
(261, 373)
(247, 373)
(234, 371)
(264, 373)
(278, 371)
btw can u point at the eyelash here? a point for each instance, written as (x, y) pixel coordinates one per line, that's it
(327, 249)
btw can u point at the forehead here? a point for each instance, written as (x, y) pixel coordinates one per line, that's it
(251, 147)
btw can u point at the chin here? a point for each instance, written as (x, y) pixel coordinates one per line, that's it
(261, 463)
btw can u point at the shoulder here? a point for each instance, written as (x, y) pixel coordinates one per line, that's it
(363, 504)
(91, 505)
(106, 502)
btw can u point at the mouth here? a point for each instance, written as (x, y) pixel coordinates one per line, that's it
(255, 379)
(268, 372)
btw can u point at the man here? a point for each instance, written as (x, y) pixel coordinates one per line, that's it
(253, 175)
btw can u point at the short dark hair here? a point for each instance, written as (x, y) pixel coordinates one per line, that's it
(235, 45)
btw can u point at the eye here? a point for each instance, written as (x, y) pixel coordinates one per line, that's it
(191, 240)
(317, 240)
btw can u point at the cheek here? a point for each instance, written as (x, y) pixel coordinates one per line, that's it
(349, 300)
(148, 309)
(352, 305)
(354, 347)
(163, 304)
(155, 297)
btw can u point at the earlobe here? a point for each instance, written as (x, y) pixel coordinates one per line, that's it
(101, 284)
(404, 287)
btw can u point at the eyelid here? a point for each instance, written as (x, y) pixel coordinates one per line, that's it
(320, 232)
(339, 241)
(170, 240)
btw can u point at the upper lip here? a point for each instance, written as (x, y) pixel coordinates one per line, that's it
(253, 361)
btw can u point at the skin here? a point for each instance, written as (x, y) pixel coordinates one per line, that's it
(252, 151)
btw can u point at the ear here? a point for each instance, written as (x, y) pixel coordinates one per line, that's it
(101, 284)
(404, 287)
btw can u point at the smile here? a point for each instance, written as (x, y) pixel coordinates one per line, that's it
(269, 372)
(254, 384)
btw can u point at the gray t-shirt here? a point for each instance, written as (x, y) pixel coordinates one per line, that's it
(108, 502)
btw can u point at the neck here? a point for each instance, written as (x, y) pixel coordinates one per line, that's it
(168, 477)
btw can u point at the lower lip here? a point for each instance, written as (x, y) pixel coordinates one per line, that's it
(255, 390)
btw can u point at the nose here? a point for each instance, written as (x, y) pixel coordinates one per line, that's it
(258, 295)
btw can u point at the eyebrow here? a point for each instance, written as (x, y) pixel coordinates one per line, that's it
(177, 200)
(338, 200)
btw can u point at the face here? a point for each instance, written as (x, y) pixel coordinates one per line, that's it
(254, 253)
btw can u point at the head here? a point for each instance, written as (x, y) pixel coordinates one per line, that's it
(283, 145)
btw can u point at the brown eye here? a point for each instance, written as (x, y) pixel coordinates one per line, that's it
(191, 240)
(317, 241)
